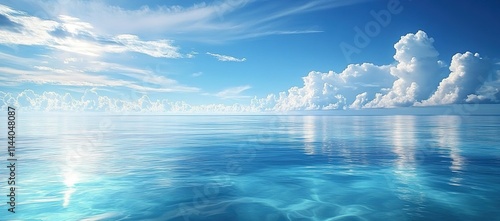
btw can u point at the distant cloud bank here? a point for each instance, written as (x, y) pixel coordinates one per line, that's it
(416, 78)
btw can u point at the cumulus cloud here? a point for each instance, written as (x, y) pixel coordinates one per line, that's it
(468, 74)
(416, 78)
(226, 57)
(359, 101)
(91, 101)
(489, 92)
(325, 91)
(418, 72)
(413, 77)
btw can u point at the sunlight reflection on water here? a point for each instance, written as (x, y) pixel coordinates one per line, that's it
(258, 168)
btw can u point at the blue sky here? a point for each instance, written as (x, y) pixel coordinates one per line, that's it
(247, 55)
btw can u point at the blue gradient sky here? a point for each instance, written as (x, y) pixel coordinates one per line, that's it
(232, 51)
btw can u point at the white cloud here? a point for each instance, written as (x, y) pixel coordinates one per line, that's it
(418, 72)
(160, 48)
(58, 68)
(70, 34)
(69, 60)
(146, 19)
(47, 75)
(139, 80)
(90, 100)
(215, 21)
(233, 92)
(359, 101)
(468, 74)
(191, 54)
(226, 57)
(31, 30)
(197, 74)
(489, 92)
(324, 91)
(415, 79)
(73, 26)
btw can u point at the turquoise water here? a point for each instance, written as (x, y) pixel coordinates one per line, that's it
(98, 167)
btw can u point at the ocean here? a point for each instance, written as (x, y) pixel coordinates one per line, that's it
(279, 167)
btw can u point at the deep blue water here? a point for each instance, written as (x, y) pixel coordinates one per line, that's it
(98, 167)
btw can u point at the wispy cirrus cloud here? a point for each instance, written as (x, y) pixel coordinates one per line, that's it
(221, 57)
(197, 74)
(75, 55)
(68, 77)
(58, 69)
(6, 23)
(70, 34)
(233, 92)
(208, 22)
(53, 76)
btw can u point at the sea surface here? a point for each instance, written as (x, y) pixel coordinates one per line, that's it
(134, 167)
